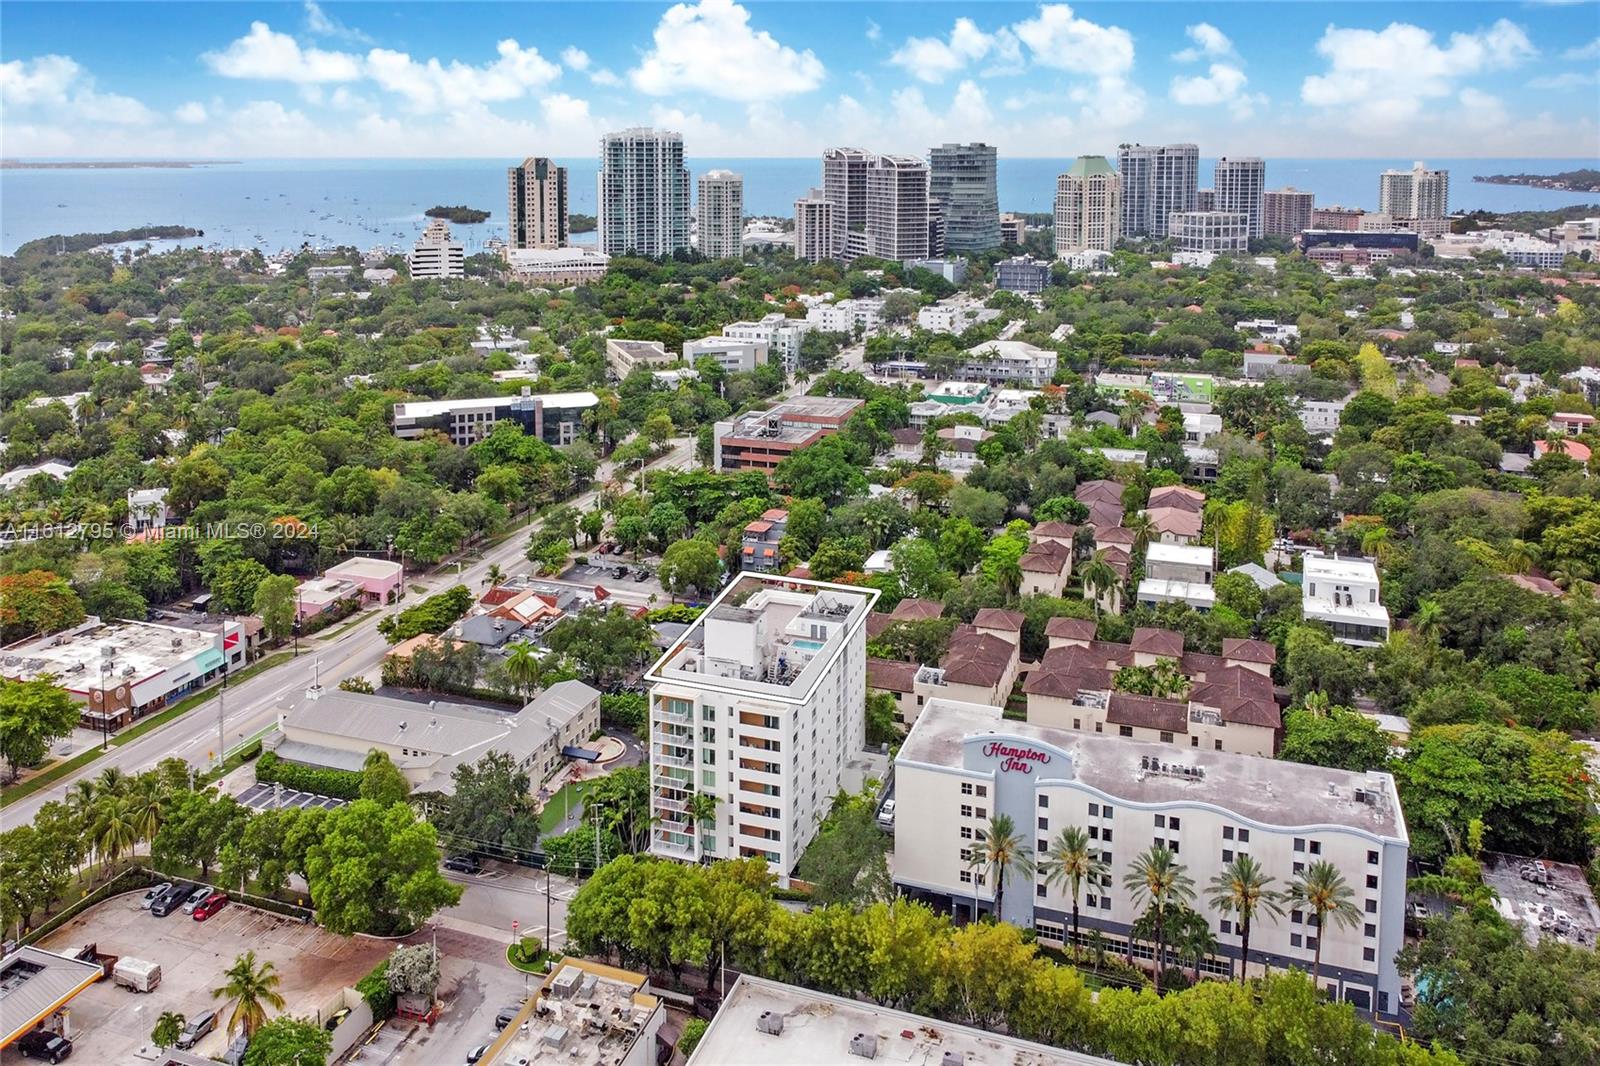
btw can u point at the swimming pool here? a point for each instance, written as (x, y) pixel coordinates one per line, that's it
(808, 645)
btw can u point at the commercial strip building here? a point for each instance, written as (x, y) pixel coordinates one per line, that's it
(642, 202)
(761, 440)
(1342, 593)
(1156, 180)
(557, 266)
(584, 1014)
(1088, 211)
(785, 1025)
(123, 670)
(554, 417)
(536, 205)
(361, 579)
(963, 763)
(335, 730)
(961, 178)
(1286, 212)
(720, 215)
(435, 255)
(1238, 188)
(760, 704)
(1209, 231)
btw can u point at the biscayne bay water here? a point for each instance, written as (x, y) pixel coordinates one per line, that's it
(273, 204)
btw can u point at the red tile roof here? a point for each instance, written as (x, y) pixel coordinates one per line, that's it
(1176, 496)
(1103, 490)
(1249, 651)
(997, 618)
(1055, 529)
(887, 675)
(1164, 642)
(912, 609)
(1148, 712)
(1070, 628)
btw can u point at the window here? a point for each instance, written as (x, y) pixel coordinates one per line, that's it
(1094, 832)
(1125, 730)
(1372, 881)
(1172, 846)
(1372, 906)
(1105, 834)
(1311, 943)
(966, 877)
(1044, 801)
(1038, 891)
(1217, 744)
(708, 756)
(981, 812)
(1194, 742)
(1094, 808)
(966, 810)
(1172, 823)
(983, 790)
(1244, 836)
(1107, 811)
(1369, 930)
(1299, 844)
(1227, 855)
(1044, 823)
(1105, 903)
(1227, 926)
(980, 880)
(1294, 938)
(707, 714)
(966, 854)
(1227, 832)
(1166, 737)
(1077, 723)
(1092, 901)
(1369, 955)
(1299, 868)
(966, 788)
(1372, 858)
(1297, 917)
(1316, 847)
(1043, 846)
(1161, 821)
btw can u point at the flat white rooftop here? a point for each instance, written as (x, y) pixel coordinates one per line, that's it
(364, 568)
(138, 650)
(1193, 593)
(817, 1030)
(432, 408)
(1338, 568)
(1179, 554)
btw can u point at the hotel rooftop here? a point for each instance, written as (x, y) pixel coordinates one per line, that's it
(768, 637)
(1268, 791)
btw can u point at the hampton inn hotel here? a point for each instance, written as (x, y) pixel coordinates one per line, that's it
(962, 764)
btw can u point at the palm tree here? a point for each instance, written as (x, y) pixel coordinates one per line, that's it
(115, 830)
(1322, 889)
(146, 801)
(1001, 849)
(251, 990)
(524, 668)
(1008, 575)
(1139, 524)
(1069, 860)
(1570, 574)
(1317, 703)
(1242, 889)
(494, 576)
(1521, 556)
(703, 809)
(1429, 619)
(1158, 877)
(1098, 577)
(1192, 938)
(112, 782)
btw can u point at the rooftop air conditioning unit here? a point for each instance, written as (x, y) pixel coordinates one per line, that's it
(770, 1023)
(953, 1058)
(864, 1045)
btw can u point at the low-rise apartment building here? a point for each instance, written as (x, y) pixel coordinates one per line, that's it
(758, 548)
(554, 417)
(760, 704)
(623, 357)
(557, 266)
(731, 354)
(761, 440)
(781, 335)
(1178, 573)
(962, 764)
(1342, 593)
(1022, 274)
(863, 314)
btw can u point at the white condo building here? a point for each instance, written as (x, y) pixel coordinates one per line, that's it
(814, 227)
(782, 336)
(1416, 193)
(642, 203)
(1209, 231)
(844, 183)
(1156, 181)
(720, 214)
(760, 704)
(1343, 594)
(963, 763)
(1239, 185)
(731, 354)
(897, 208)
(435, 255)
(1088, 206)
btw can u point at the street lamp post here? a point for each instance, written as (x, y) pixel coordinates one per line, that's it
(105, 699)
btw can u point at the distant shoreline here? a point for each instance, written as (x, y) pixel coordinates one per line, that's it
(153, 164)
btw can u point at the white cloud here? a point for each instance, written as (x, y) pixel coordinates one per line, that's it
(1480, 110)
(1584, 51)
(1223, 83)
(265, 54)
(191, 113)
(874, 31)
(1570, 80)
(709, 47)
(576, 58)
(932, 59)
(1059, 39)
(433, 86)
(57, 85)
(1387, 77)
(323, 24)
(602, 76)
(1208, 42)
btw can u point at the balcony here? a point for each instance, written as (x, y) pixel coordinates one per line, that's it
(663, 844)
(670, 777)
(673, 823)
(665, 802)
(665, 710)
(681, 761)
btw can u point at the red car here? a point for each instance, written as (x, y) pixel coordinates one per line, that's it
(213, 903)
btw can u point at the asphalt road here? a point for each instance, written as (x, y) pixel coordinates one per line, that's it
(248, 708)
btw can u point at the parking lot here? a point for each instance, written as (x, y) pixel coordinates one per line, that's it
(112, 1024)
(263, 797)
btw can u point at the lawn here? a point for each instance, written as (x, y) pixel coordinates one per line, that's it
(556, 809)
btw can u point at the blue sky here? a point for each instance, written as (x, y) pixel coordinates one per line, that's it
(244, 79)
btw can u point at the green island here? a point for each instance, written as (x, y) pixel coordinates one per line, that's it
(59, 243)
(460, 214)
(1586, 179)
(581, 223)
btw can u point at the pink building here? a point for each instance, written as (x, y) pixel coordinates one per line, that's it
(365, 579)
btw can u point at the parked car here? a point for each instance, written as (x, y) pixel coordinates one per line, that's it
(210, 905)
(603, 549)
(886, 815)
(171, 900)
(197, 897)
(507, 1015)
(234, 1056)
(154, 894)
(43, 1044)
(477, 1053)
(335, 1018)
(464, 864)
(198, 1027)
(620, 572)
(642, 575)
